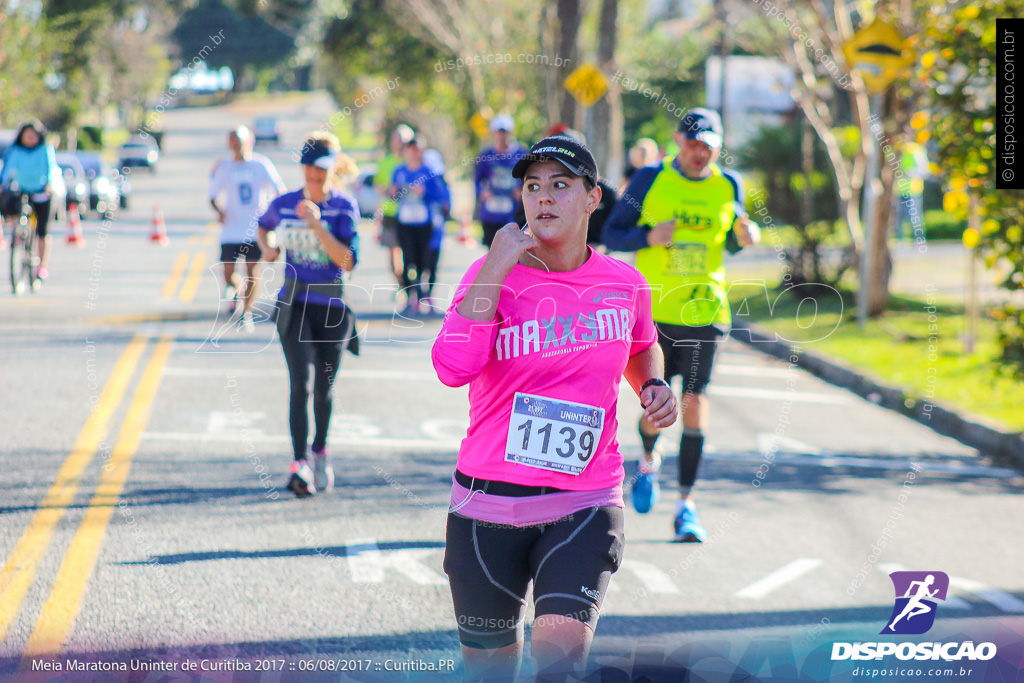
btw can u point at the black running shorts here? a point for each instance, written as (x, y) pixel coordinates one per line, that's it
(490, 566)
(690, 353)
(231, 252)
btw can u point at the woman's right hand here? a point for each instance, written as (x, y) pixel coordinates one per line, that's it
(508, 246)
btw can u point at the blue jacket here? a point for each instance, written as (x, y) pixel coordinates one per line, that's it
(33, 169)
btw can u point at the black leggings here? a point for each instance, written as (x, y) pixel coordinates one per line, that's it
(415, 242)
(11, 208)
(315, 334)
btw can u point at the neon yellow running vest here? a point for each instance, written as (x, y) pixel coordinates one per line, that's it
(688, 280)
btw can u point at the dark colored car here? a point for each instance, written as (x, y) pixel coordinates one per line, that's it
(75, 180)
(103, 193)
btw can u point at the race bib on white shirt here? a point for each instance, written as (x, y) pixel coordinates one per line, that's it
(554, 435)
(499, 204)
(413, 212)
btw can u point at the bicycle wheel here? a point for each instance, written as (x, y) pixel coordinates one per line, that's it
(23, 267)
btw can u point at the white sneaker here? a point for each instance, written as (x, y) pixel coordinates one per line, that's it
(247, 323)
(323, 473)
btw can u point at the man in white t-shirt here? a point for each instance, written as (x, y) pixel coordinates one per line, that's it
(245, 183)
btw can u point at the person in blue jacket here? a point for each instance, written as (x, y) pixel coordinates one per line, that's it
(432, 159)
(499, 196)
(316, 228)
(30, 167)
(421, 195)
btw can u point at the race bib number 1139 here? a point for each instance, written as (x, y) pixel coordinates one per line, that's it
(554, 435)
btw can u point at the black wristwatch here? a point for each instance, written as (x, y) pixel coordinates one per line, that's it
(652, 382)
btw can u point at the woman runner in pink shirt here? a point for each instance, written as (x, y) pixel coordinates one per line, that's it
(542, 329)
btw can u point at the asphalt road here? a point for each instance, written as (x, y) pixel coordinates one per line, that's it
(145, 446)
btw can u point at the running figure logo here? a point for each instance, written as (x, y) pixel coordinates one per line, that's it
(916, 593)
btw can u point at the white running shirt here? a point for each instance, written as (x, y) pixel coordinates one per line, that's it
(247, 188)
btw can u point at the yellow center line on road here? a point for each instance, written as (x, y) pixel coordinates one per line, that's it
(195, 276)
(20, 569)
(175, 277)
(57, 617)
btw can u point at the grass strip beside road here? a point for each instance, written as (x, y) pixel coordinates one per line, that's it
(57, 617)
(18, 573)
(916, 346)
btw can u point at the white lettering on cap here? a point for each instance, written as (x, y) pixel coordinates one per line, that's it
(560, 150)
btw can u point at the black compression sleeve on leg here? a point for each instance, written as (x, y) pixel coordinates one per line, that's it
(691, 447)
(648, 440)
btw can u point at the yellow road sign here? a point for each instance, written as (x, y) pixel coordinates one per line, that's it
(879, 53)
(586, 84)
(479, 125)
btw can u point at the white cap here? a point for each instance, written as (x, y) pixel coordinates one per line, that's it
(432, 160)
(503, 122)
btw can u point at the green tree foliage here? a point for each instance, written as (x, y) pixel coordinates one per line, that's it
(25, 57)
(248, 41)
(795, 191)
(959, 108)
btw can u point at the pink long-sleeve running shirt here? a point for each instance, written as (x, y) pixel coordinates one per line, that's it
(544, 376)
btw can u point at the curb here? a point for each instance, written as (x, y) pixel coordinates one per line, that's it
(1005, 447)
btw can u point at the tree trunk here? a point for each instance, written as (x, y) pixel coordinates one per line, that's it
(569, 15)
(607, 150)
(807, 167)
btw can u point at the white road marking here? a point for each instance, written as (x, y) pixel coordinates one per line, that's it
(335, 439)
(778, 578)
(444, 429)
(367, 564)
(752, 371)
(900, 465)
(1001, 599)
(774, 444)
(381, 374)
(781, 395)
(224, 422)
(652, 578)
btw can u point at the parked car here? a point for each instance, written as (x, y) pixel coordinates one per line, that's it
(75, 180)
(103, 193)
(138, 151)
(266, 129)
(367, 197)
(6, 140)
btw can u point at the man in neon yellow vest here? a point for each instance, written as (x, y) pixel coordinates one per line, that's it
(680, 216)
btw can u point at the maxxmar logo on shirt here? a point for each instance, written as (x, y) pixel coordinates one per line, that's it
(558, 334)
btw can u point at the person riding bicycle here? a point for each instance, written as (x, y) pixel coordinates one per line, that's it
(30, 168)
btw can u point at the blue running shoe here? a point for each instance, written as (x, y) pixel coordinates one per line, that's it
(645, 485)
(687, 526)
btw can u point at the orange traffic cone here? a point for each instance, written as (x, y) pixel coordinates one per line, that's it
(464, 236)
(159, 231)
(75, 236)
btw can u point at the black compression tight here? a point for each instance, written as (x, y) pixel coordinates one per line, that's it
(309, 339)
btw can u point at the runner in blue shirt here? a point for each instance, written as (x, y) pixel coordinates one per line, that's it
(432, 159)
(421, 196)
(316, 227)
(499, 196)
